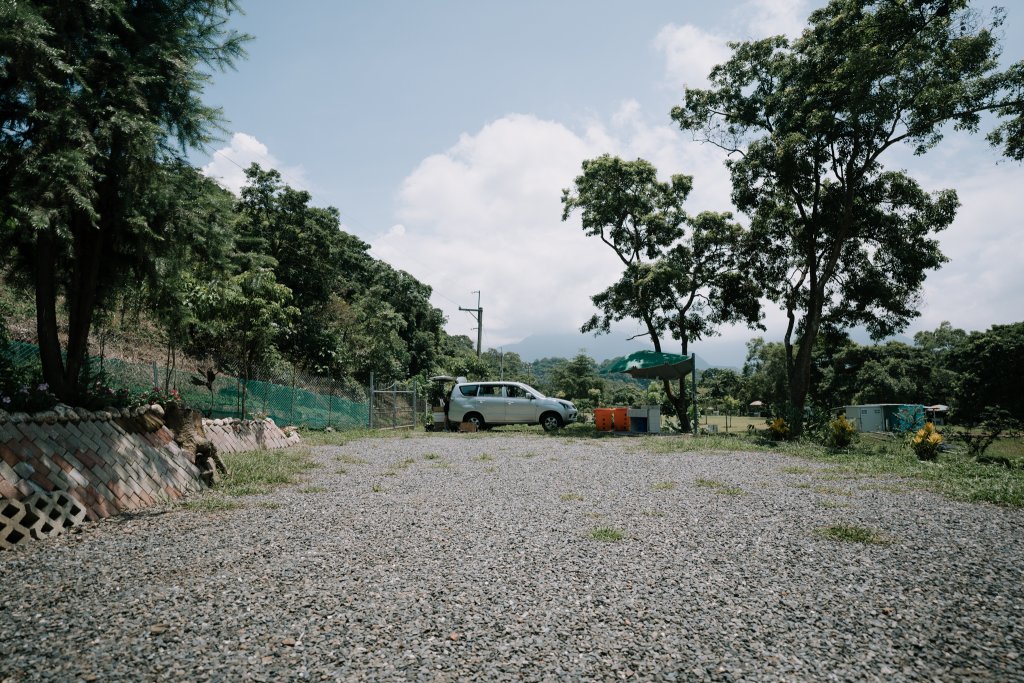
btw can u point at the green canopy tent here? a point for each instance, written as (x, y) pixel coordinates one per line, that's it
(657, 365)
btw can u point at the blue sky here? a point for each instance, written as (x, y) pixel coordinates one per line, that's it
(445, 131)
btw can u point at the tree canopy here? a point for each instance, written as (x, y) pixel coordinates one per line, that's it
(840, 240)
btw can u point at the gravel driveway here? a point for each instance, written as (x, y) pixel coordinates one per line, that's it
(472, 557)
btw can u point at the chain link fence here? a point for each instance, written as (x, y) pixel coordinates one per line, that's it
(289, 398)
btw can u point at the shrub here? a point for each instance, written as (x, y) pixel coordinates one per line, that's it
(841, 432)
(926, 442)
(778, 429)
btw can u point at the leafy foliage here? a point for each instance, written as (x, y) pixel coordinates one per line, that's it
(838, 239)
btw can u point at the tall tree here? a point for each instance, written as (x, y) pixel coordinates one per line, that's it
(674, 281)
(842, 241)
(96, 98)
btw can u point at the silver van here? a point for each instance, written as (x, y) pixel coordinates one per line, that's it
(487, 404)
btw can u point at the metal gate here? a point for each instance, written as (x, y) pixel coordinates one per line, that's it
(395, 406)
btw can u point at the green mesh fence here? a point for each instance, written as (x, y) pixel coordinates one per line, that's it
(299, 400)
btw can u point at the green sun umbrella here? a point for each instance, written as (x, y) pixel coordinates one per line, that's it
(653, 365)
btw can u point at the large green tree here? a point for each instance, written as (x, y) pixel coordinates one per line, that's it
(681, 275)
(840, 240)
(96, 98)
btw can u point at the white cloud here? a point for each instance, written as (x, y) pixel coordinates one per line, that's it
(763, 18)
(227, 164)
(690, 53)
(486, 215)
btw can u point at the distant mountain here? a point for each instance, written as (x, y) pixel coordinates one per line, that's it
(567, 345)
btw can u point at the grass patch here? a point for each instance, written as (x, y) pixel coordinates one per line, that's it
(664, 486)
(268, 505)
(571, 496)
(319, 437)
(341, 470)
(351, 459)
(389, 473)
(377, 488)
(484, 457)
(652, 513)
(211, 504)
(256, 472)
(853, 534)
(431, 456)
(404, 463)
(490, 470)
(608, 534)
(442, 465)
(719, 487)
(528, 455)
(799, 469)
(954, 475)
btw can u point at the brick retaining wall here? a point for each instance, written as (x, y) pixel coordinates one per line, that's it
(68, 466)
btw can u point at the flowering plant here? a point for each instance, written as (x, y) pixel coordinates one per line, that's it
(926, 442)
(162, 396)
(28, 399)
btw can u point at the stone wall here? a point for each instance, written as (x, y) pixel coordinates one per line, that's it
(68, 466)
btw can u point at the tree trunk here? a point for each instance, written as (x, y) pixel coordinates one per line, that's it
(88, 247)
(800, 368)
(46, 315)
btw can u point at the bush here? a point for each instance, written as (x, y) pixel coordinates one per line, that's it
(778, 429)
(926, 442)
(841, 433)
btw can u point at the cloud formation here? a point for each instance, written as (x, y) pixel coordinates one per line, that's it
(227, 164)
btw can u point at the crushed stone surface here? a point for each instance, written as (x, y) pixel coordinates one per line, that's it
(474, 557)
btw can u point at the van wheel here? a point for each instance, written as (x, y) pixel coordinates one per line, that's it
(476, 419)
(550, 422)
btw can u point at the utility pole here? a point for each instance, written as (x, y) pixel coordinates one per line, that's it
(479, 313)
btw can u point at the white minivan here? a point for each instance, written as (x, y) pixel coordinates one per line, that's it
(487, 404)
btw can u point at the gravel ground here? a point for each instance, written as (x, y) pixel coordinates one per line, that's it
(471, 557)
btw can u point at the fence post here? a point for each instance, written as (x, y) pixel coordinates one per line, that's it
(369, 404)
(330, 405)
(394, 405)
(291, 407)
(415, 407)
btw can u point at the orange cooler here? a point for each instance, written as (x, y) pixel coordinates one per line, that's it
(603, 419)
(621, 419)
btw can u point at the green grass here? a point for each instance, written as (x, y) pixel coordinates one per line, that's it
(268, 505)
(528, 454)
(664, 486)
(431, 456)
(211, 503)
(954, 475)
(719, 487)
(318, 437)
(607, 533)
(571, 496)
(351, 459)
(258, 472)
(408, 462)
(853, 534)
(442, 464)
(484, 457)
(377, 488)
(799, 469)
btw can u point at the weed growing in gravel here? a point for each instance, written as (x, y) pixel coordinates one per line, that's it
(389, 473)
(664, 486)
(211, 504)
(832, 504)
(607, 533)
(377, 488)
(341, 470)
(571, 496)
(798, 469)
(529, 454)
(831, 491)
(313, 489)
(490, 470)
(719, 487)
(404, 463)
(351, 459)
(484, 457)
(853, 533)
(255, 472)
(442, 464)
(802, 485)
(431, 456)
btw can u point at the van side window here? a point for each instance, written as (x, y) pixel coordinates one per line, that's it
(468, 390)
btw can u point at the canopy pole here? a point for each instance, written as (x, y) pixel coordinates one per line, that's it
(694, 375)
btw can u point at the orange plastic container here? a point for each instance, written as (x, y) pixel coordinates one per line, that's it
(621, 417)
(603, 419)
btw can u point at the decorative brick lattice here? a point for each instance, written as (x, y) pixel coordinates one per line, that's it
(61, 468)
